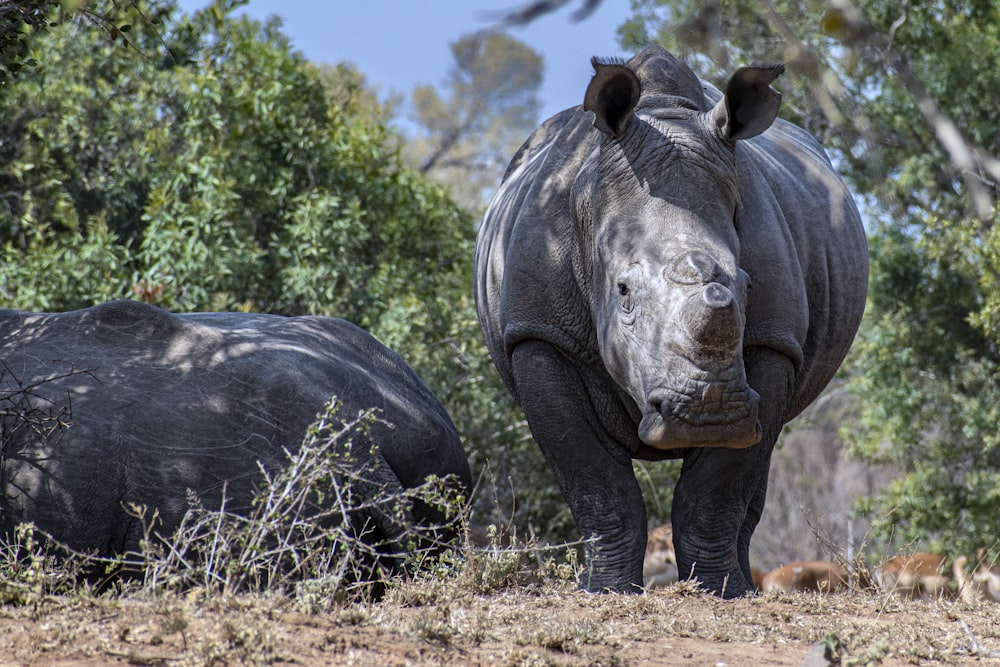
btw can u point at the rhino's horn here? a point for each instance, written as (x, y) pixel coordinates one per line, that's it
(712, 320)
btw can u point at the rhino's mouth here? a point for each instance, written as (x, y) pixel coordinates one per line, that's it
(673, 420)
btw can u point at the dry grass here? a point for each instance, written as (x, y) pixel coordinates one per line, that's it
(332, 523)
(508, 606)
(535, 617)
(286, 585)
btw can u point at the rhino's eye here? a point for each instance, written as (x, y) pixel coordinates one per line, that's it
(625, 298)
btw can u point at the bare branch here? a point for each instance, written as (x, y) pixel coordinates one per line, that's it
(532, 11)
(975, 165)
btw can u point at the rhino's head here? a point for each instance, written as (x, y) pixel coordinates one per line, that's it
(657, 201)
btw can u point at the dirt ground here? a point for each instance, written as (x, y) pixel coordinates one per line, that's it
(546, 624)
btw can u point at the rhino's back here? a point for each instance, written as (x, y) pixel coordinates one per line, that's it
(803, 243)
(155, 403)
(524, 264)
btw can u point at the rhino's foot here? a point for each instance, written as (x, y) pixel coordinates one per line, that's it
(592, 582)
(727, 586)
(613, 561)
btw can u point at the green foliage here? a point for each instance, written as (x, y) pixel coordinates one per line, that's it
(927, 360)
(19, 20)
(931, 395)
(929, 352)
(221, 176)
(208, 167)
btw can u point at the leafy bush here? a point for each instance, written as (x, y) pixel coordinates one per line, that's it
(210, 167)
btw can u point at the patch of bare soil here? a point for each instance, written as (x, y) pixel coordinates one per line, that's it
(443, 622)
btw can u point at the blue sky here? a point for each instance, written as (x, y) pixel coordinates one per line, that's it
(398, 44)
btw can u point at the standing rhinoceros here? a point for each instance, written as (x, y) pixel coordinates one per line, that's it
(668, 272)
(152, 404)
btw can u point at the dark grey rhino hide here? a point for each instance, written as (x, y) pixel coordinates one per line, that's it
(155, 403)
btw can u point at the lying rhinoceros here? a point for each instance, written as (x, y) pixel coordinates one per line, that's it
(127, 403)
(668, 272)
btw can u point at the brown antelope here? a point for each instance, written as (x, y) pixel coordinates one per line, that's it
(969, 590)
(988, 574)
(659, 566)
(916, 576)
(816, 576)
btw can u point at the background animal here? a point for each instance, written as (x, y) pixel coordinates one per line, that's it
(668, 271)
(987, 575)
(814, 576)
(126, 403)
(969, 590)
(490, 537)
(915, 576)
(659, 565)
(983, 584)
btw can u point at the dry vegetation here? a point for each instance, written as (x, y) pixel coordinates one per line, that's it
(213, 596)
(813, 486)
(493, 607)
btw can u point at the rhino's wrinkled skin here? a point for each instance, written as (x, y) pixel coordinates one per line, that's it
(155, 403)
(669, 272)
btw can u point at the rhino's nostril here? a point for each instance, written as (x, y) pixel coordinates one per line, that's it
(716, 296)
(655, 406)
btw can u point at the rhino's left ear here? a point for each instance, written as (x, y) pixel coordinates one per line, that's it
(750, 104)
(612, 95)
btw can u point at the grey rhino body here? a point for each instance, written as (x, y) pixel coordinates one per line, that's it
(157, 403)
(666, 272)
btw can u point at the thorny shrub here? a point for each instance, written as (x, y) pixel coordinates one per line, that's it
(333, 523)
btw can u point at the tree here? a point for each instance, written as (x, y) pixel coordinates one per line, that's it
(886, 88)
(492, 105)
(224, 173)
(17, 20)
(209, 167)
(21, 19)
(349, 88)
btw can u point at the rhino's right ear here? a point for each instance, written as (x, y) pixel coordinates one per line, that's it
(612, 96)
(750, 104)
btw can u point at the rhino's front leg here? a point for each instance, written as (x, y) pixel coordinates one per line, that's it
(720, 495)
(594, 473)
